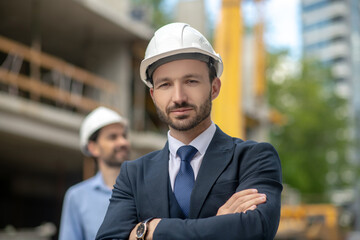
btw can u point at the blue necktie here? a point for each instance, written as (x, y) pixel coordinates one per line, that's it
(184, 181)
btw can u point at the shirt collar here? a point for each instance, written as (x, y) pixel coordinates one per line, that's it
(201, 142)
(98, 182)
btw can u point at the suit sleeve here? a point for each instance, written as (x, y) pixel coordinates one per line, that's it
(121, 215)
(260, 168)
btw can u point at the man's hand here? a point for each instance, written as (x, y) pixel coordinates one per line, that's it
(150, 229)
(242, 201)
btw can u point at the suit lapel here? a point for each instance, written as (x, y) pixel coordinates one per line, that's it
(216, 158)
(156, 182)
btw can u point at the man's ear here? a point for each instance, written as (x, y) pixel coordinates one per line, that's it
(215, 88)
(93, 148)
(152, 93)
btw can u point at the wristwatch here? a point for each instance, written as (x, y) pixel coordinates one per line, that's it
(142, 229)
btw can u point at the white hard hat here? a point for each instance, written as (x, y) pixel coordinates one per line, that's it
(98, 118)
(174, 39)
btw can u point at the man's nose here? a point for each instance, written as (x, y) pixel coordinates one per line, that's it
(122, 141)
(179, 94)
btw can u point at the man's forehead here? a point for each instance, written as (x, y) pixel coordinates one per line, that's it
(182, 68)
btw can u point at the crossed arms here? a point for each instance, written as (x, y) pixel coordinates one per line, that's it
(240, 202)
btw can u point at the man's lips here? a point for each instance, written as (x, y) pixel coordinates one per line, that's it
(181, 110)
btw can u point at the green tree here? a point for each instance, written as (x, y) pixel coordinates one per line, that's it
(312, 142)
(159, 15)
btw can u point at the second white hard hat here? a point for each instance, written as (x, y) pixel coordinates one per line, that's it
(174, 39)
(98, 118)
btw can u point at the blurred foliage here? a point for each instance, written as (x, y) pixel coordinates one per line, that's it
(312, 142)
(158, 15)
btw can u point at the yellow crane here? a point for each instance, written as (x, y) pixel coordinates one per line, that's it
(228, 110)
(259, 73)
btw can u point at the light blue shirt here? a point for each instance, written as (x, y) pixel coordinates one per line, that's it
(84, 209)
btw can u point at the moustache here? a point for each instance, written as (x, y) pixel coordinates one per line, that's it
(177, 106)
(121, 149)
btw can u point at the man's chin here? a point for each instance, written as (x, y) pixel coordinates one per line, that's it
(113, 164)
(182, 126)
(116, 163)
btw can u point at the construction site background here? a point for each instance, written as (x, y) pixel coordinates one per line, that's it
(61, 59)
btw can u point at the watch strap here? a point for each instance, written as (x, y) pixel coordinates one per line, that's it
(148, 220)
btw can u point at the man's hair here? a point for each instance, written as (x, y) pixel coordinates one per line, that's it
(94, 136)
(212, 70)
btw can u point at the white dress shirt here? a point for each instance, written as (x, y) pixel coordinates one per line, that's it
(201, 143)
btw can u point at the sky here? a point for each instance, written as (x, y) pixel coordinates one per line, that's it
(282, 17)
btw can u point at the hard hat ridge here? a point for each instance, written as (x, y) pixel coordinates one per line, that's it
(170, 42)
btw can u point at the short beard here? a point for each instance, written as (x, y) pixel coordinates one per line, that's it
(113, 162)
(203, 113)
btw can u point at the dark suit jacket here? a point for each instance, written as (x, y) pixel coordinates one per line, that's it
(229, 165)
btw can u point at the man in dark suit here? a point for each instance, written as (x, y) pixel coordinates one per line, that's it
(203, 184)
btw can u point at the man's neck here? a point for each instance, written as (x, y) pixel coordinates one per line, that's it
(187, 136)
(109, 174)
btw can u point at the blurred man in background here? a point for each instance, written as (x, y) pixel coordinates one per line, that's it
(103, 136)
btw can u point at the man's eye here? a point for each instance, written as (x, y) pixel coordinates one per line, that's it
(163, 85)
(112, 137)
(192, 81)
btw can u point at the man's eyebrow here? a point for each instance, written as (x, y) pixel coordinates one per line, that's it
(192, 75)
(186, 76)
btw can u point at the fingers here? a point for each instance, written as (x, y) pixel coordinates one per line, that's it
(253, 207)
(242, 201)
(250, 204)
(133, 233)
(245, 202)
(238, 195)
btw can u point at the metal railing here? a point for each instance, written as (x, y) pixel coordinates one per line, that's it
(58, 82)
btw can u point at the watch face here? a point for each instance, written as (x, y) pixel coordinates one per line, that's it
(140, 230)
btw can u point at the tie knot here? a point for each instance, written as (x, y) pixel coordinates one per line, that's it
(186, 153)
